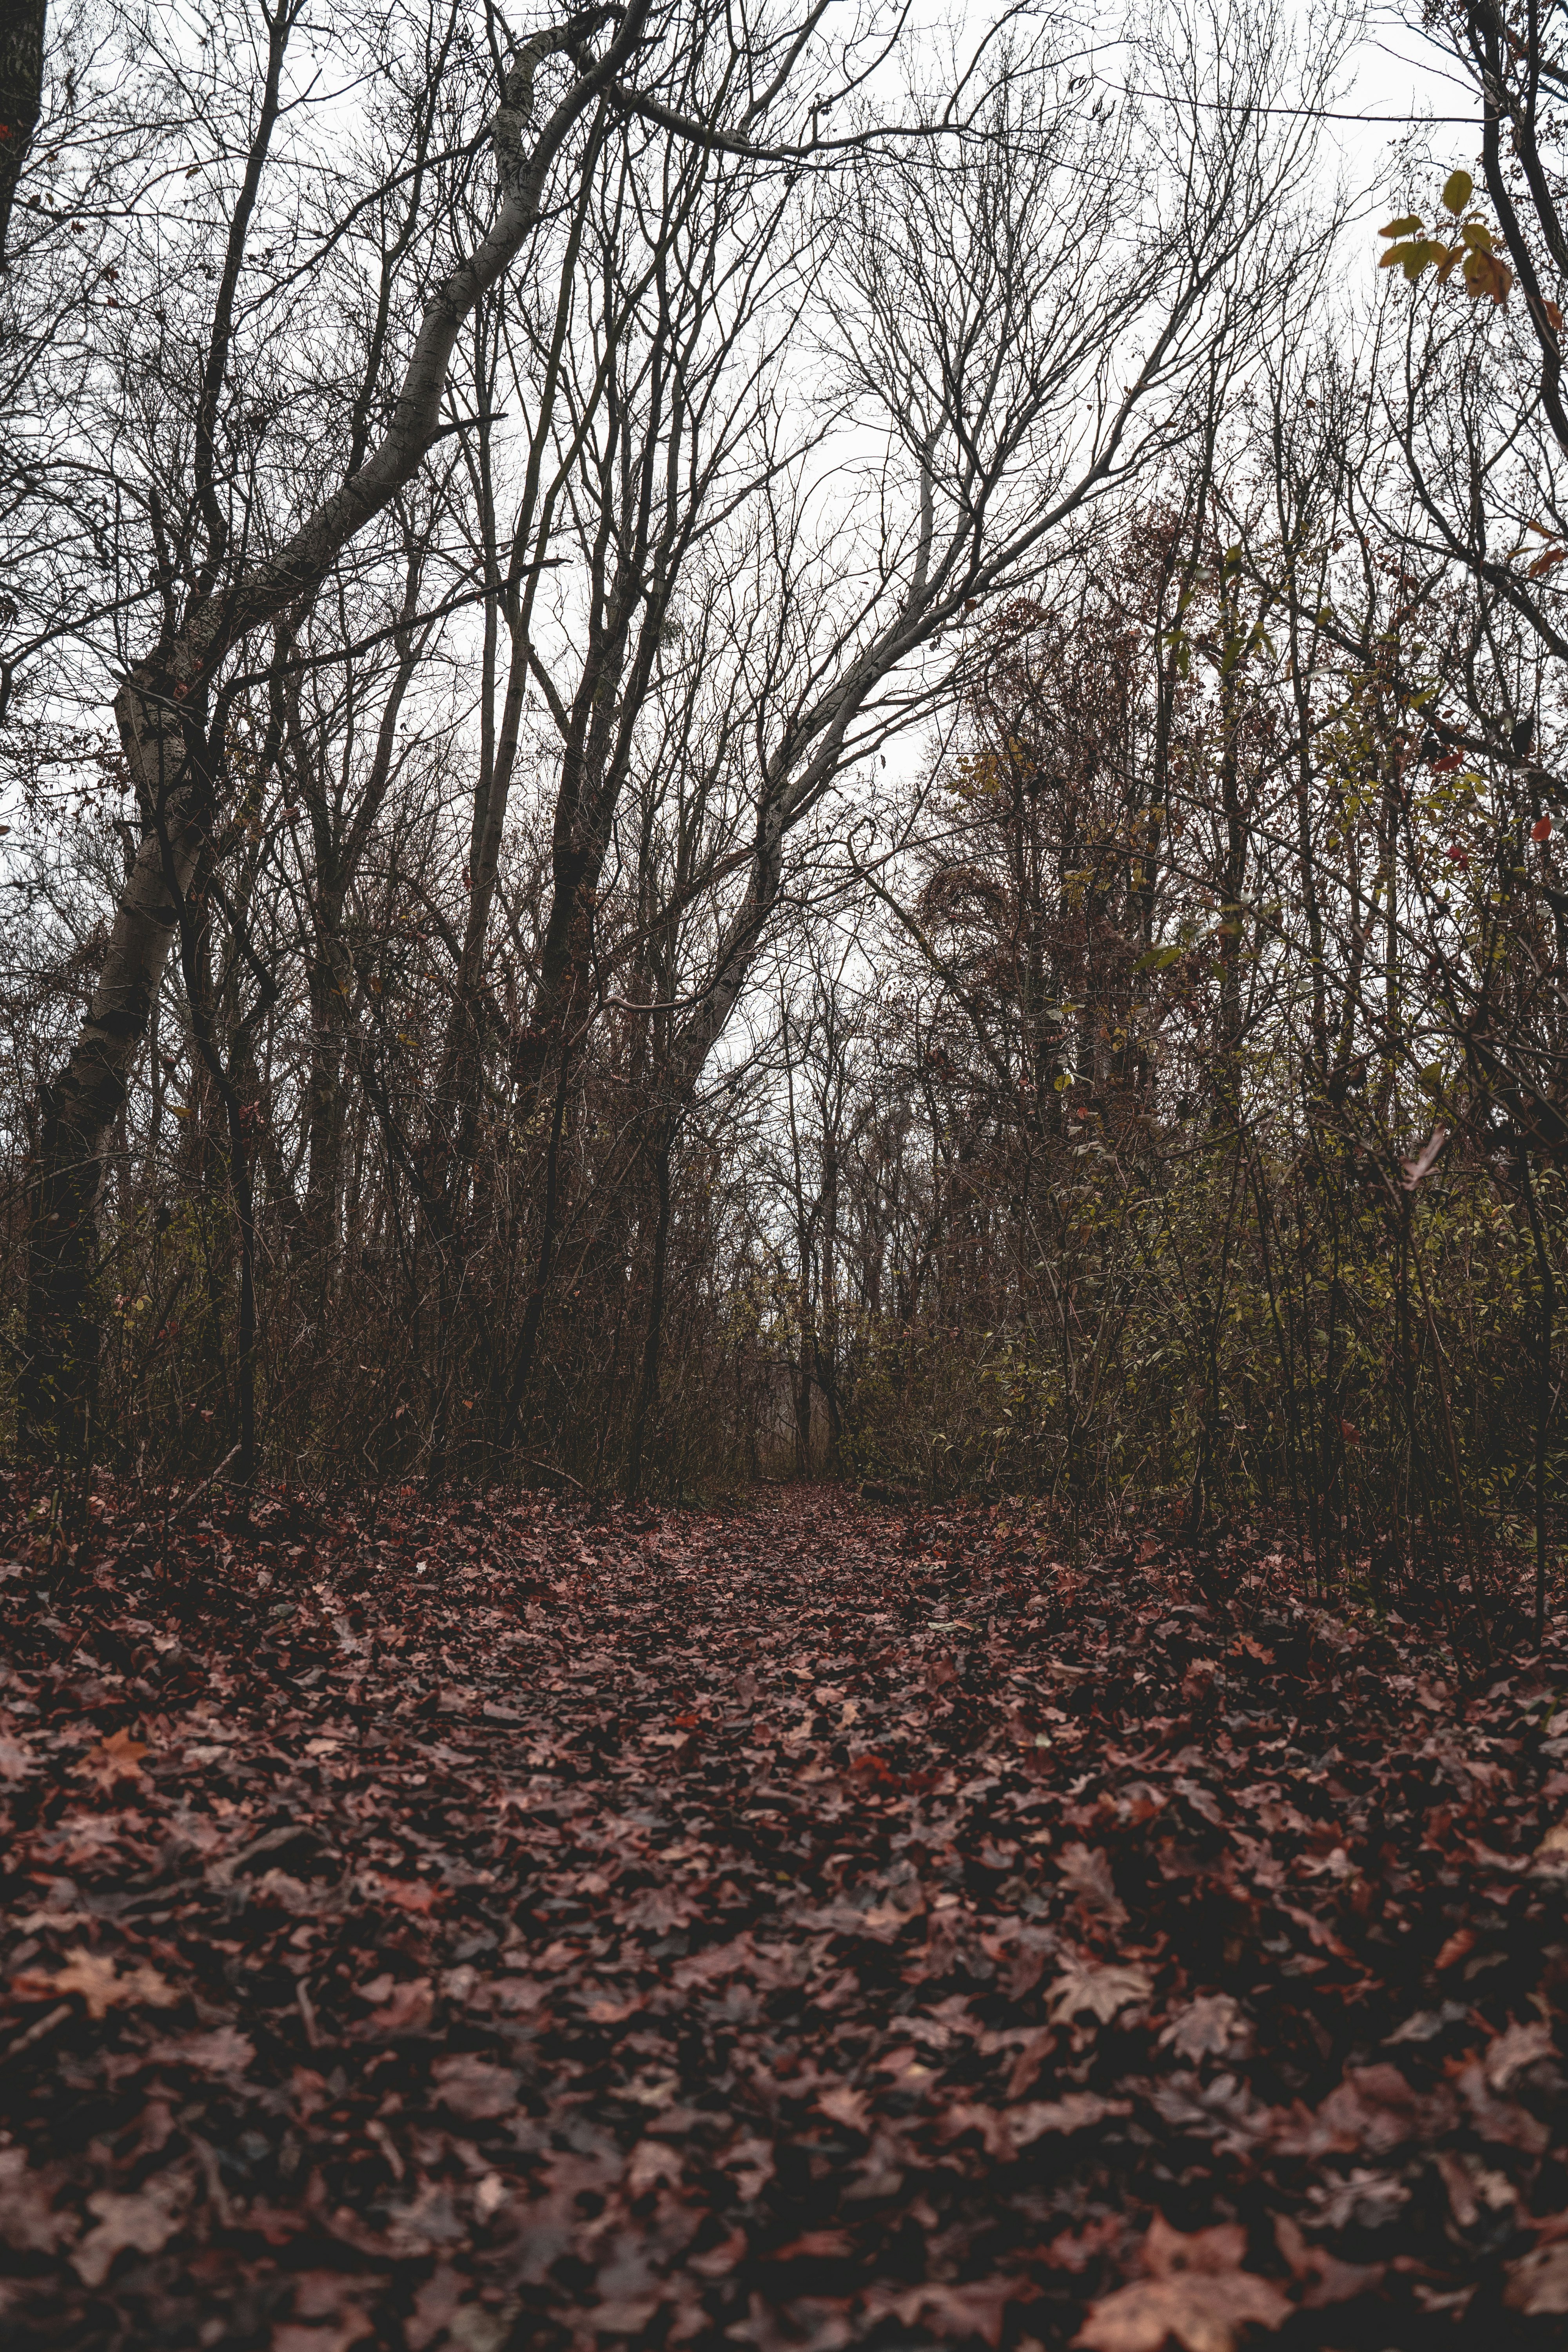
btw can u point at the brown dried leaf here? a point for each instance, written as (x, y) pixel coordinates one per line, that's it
(145, 2222)
(1089, 1877)
(1213, 2026)
(93, 1975)
(1102, 1991)
(1198, 2294)
(1537, 2282)
(29, 2223)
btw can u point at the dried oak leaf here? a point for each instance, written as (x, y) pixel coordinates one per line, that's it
(1551, 1853)
(1502, 2122)
(446, 2312)
(1197, 2292)
(1088, 1876)
(409, 2009)
(145, 2220)
(1476, 2189)
(223, 2052)
(29, 2223)
(1376, 2109)
(474, 2089)
(414, 1895)
(1538, 2283)
(92, 1974)
(817, 2246)
(978, 2308)
(1103, 1992)
(1075, 2111)
(1515, 2050)
(966, 2115)
(1364, 2198)
(288, 2336)
(1322, 2277)
(649, 2163)
(844, 2105)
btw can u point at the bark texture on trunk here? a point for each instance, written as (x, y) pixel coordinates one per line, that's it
(21, 96)
(81, 1107)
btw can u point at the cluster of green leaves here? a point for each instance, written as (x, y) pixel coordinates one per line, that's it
(1469, 246)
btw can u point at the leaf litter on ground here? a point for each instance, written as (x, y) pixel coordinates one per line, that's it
(495, 1925)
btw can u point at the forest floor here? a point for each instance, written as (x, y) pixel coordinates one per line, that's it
(489, 1926)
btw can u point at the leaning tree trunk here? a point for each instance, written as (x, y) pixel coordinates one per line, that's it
(159, 712)
(81, 1107)
(21, 96)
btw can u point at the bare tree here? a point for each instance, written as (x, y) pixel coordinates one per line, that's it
(171, 708)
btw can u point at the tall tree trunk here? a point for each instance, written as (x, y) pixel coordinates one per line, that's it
(21, 96)
(1546, 1318)
(647, 1386)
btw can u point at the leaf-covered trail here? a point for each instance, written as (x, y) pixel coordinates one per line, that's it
(803, 1926)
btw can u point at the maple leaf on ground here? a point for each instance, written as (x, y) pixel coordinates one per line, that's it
(116, 1759)
(1196, 2291)
(93, 1975)
(1213, 2026)
(1102, 1991)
